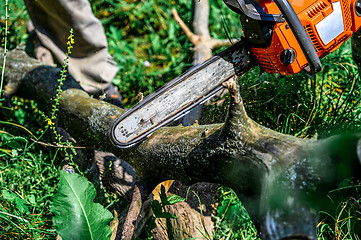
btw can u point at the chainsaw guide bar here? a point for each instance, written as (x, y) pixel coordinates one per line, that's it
(180, 95)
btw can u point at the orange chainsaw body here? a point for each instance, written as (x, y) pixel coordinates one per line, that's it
(328, 23)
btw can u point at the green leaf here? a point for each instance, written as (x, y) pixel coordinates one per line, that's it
(163, 196)
(76, 216)
(31, 199)
(158, 211)
(173, 199)
(8, 195)
(157, 208)
(166, 215)
(21, 205)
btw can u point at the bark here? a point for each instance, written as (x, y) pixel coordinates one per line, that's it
(194, 216)
(133, 213)
(116, 174)
(281, 179)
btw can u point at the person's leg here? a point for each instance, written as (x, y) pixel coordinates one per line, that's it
(89, 63)
(41, 53)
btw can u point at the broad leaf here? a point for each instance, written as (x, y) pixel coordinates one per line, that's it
(76, 216)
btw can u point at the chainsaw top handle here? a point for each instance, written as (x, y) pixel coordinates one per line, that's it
(302, 37)
(253, 11)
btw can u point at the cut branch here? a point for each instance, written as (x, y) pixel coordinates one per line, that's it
(195, 39)
(202, 40)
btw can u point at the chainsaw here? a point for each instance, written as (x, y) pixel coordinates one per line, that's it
(281, 36)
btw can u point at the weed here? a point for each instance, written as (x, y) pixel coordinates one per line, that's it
(55, 107)
(232, 220)
(5, 48)
(159, 210)
(28, 180)
(15, 21)
(344, 221)
(158, 207)
(204, 232)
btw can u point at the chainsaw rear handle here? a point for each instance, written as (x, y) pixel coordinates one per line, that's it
(302, 37)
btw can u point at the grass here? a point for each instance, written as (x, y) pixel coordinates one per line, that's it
(151, 49)
(344, 221)
(232, 220)
(29, 176)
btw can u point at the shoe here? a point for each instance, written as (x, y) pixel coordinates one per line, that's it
(113, 96)
(41, 53)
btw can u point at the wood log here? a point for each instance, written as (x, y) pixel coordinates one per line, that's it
(276, 176)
